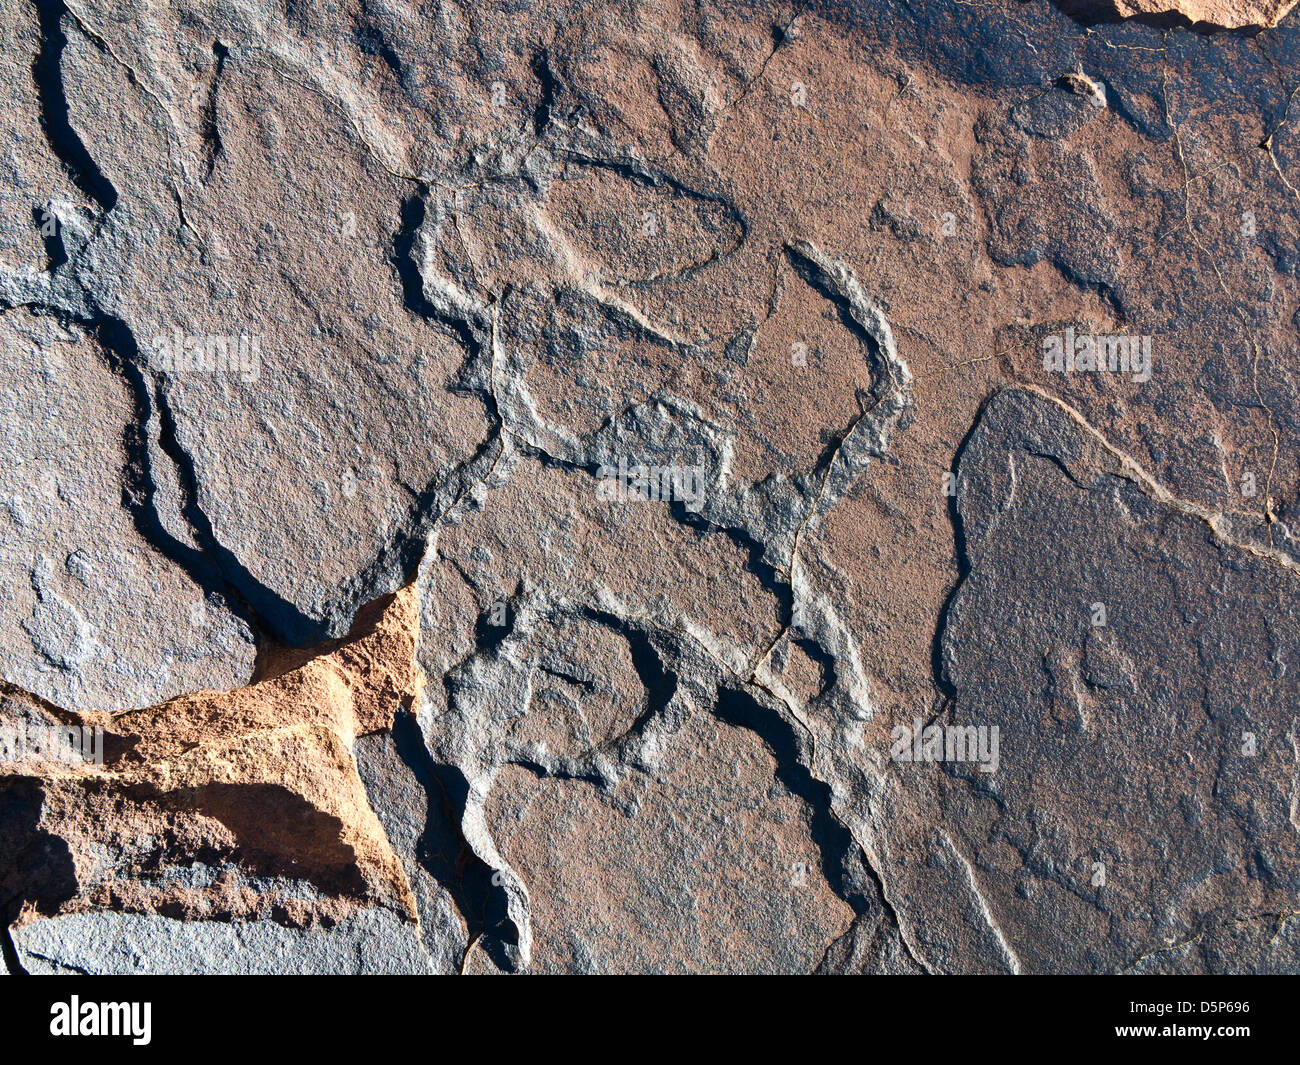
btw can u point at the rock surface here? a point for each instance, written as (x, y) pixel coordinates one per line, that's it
(220, 804)
(1227, 14)
(678, 488)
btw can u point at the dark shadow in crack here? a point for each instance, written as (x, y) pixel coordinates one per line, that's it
(211, 565)
(413, 213)
(212, 144)
(55, 252)
(962, 557)
(36, 868)
(9, 953)
(848, 877)
(825, 285)
(442, 851)
(550, 90)
(47, 74)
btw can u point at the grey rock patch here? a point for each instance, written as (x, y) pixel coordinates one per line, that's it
(374, 941)
(1148, 769)
(92, 616)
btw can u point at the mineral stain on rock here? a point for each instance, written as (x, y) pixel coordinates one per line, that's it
(222, 805)
(1212, 14)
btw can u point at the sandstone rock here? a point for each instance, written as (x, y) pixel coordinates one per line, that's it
(243, 804)
(1229, 14)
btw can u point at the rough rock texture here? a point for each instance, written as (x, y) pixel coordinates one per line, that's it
(1227, 14)
(234, 805)
(342, 341)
